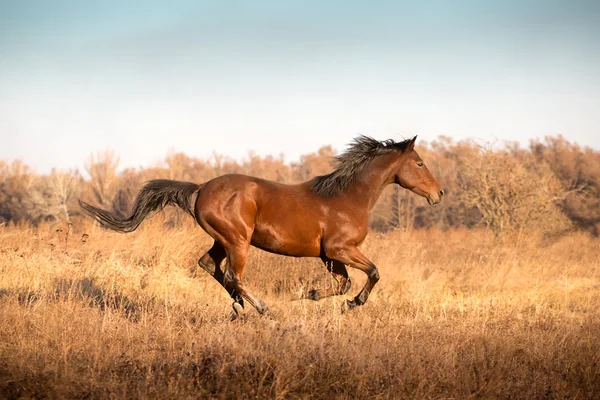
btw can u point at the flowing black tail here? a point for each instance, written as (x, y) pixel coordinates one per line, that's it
(154, 196)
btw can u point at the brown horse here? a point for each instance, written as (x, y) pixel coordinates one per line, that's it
(326, 217)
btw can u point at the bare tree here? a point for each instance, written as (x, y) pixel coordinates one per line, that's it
(15, 181)
(102, 169)
(50, 196)
(510, 196)
(579, 171)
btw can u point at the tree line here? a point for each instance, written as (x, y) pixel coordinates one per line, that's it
(553, 186)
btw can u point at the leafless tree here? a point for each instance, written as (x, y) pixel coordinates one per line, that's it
(50, 196)
(509, 196)
(102, 168)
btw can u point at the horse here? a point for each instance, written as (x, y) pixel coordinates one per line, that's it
(325, 217)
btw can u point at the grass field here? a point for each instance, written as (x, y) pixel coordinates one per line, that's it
(456, 314)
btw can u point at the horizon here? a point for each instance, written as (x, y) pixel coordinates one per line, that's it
(272, 78)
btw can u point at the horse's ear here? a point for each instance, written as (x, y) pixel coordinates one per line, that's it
(411, 144)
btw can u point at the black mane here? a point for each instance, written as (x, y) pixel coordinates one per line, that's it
(360, 153)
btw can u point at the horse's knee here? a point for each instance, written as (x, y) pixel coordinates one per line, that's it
(373, 275)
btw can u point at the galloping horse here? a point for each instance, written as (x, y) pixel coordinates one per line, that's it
(326, 217)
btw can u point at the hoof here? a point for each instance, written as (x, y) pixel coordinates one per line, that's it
(238, 311)
(265, 313)
(238, 308)
(262, 309)
(347, 305)
(310, 295)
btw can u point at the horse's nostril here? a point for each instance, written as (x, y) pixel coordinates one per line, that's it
(441, 192)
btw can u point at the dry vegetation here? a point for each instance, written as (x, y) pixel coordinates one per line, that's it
(456, 314)
(490, 295)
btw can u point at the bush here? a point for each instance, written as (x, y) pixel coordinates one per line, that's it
(510, 195)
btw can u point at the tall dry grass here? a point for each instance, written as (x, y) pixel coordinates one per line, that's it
(456, 314)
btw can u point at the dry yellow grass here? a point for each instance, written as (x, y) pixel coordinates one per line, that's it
(455, 315)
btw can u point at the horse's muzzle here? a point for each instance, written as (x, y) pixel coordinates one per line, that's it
(435, 198)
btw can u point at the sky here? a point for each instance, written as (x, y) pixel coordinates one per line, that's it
(145, 78)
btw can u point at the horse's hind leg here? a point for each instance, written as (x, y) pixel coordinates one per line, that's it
(211, 263)
(342, 285)
(237, 257)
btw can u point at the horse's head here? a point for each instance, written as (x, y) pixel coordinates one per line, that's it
(412, 174)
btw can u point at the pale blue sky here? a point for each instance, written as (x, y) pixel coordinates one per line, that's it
(143, 77)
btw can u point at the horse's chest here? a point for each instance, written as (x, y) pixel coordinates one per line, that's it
(350, 223)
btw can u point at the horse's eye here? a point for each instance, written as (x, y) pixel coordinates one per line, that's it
(420, 164)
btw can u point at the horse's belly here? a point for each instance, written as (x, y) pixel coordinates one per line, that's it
(293, 240)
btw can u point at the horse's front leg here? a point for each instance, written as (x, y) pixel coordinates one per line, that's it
(340, 274)
(350, 255)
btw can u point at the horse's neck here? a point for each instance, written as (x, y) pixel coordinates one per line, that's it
(372, 180)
